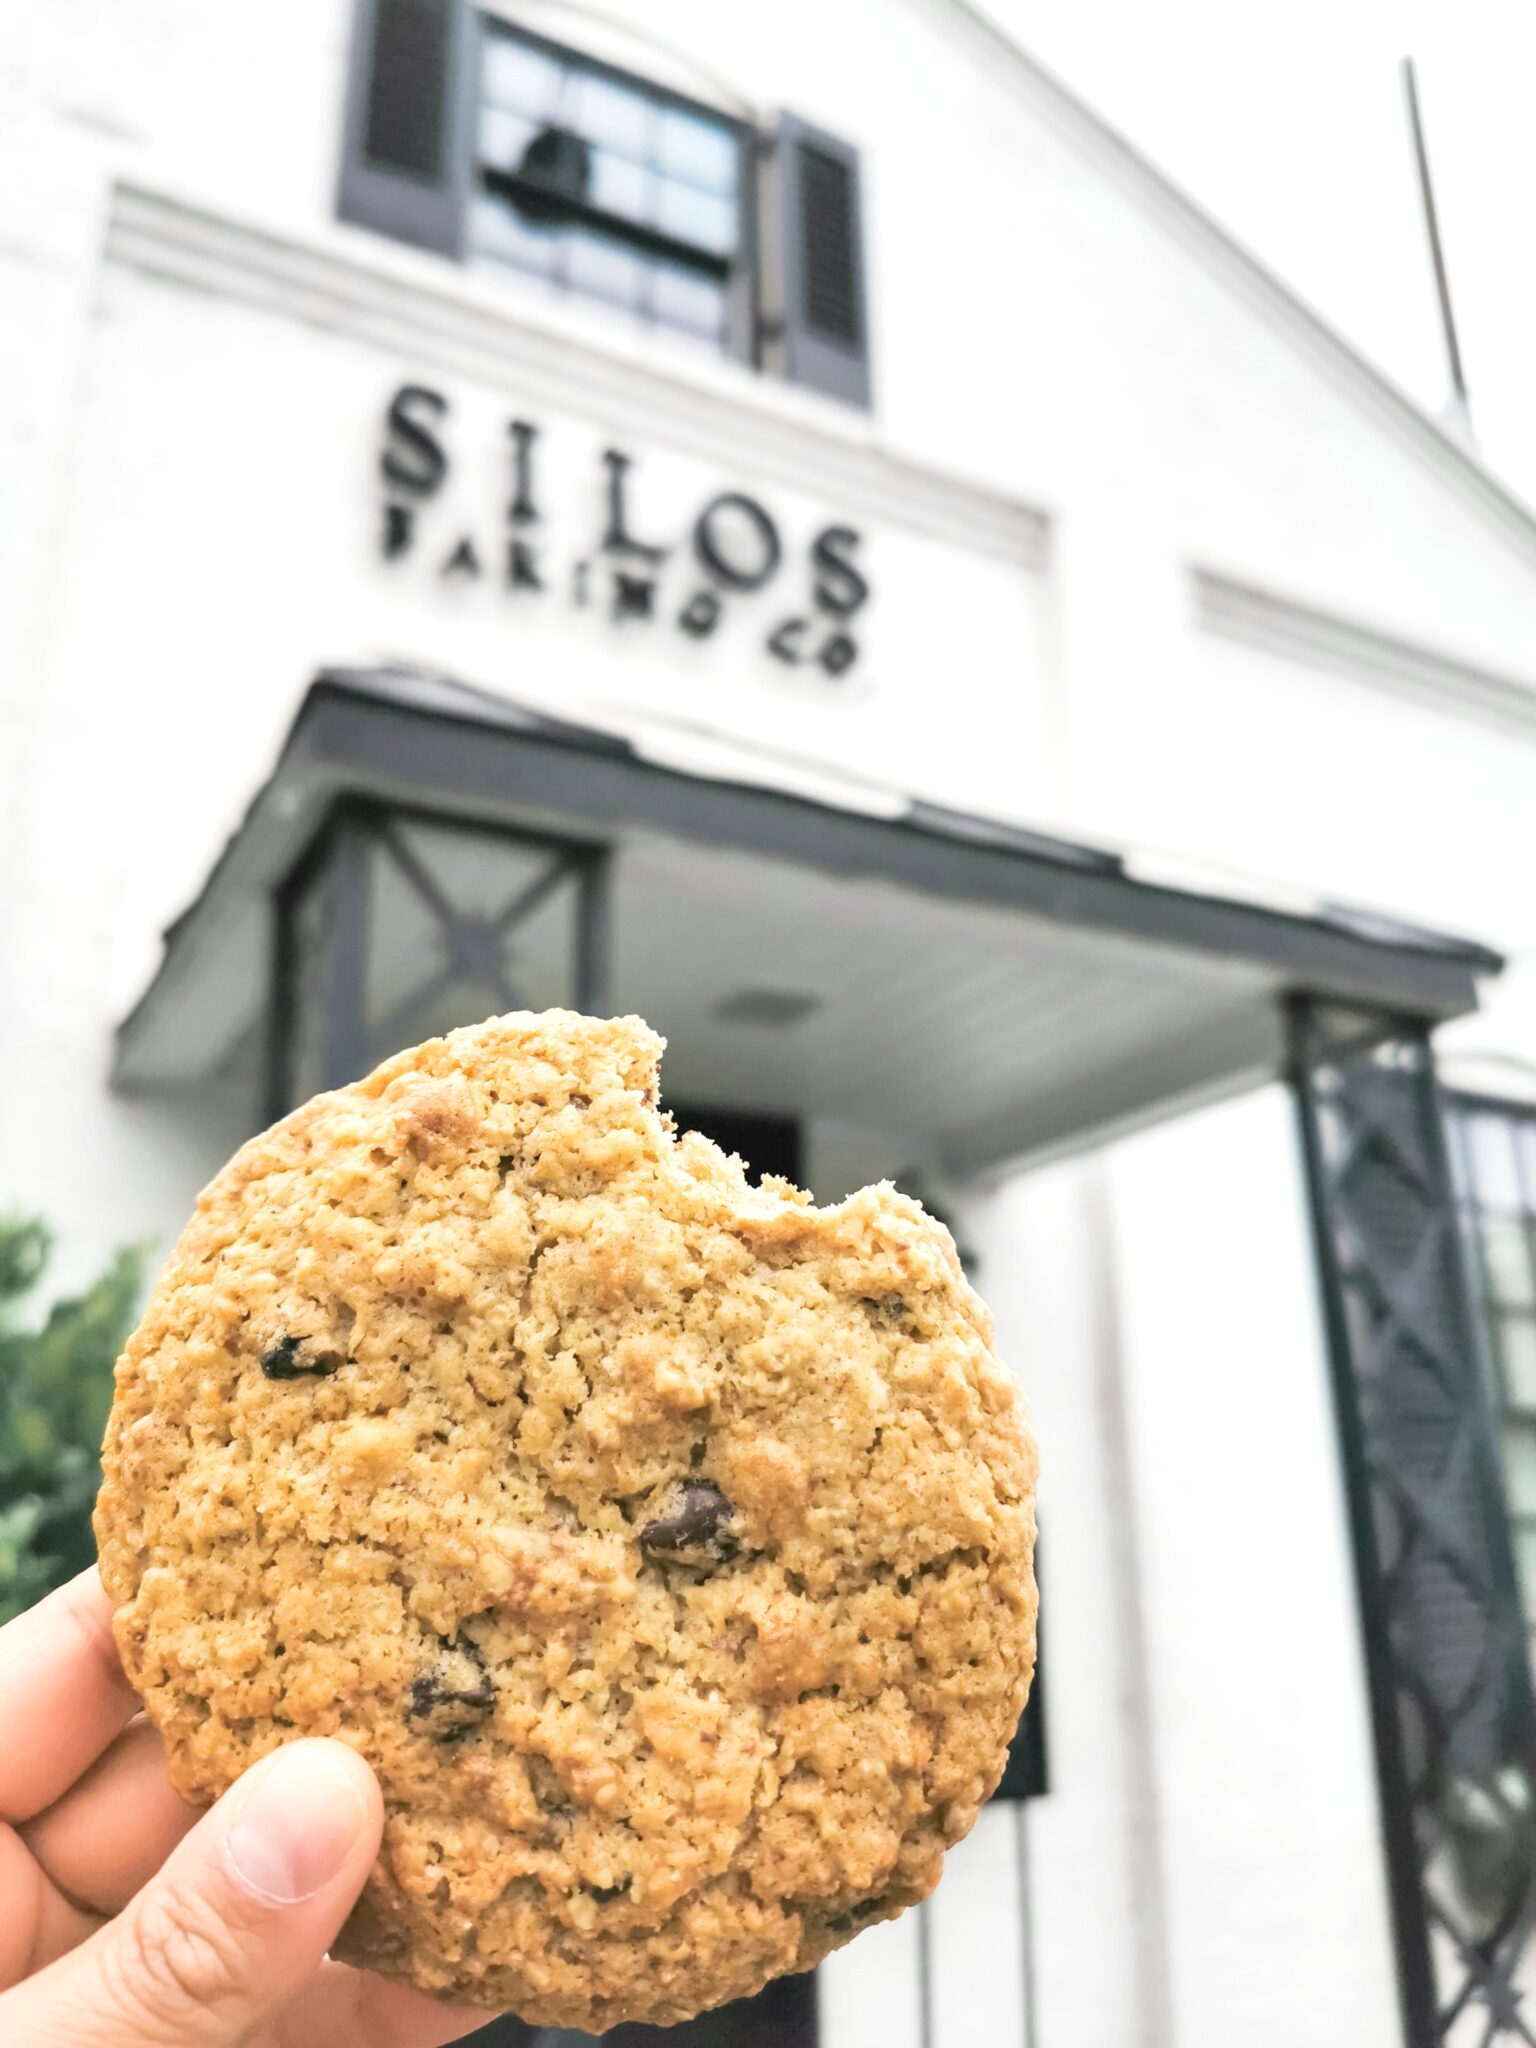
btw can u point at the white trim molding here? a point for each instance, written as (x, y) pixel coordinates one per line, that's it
(1282, 626)
(435, 316)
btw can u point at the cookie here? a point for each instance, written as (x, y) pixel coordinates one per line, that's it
(663, 1542)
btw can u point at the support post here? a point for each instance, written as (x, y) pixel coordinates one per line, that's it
(1444, 1635)
(344, 1033)
(594, 937)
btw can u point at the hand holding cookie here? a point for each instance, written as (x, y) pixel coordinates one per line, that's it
(127, 1920)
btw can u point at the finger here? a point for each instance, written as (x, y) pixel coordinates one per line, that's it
(110, 1833)
(347, 2008)
(38, 1923)
(63, 1695)
(241, 1915)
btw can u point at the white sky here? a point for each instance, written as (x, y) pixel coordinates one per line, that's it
(1287, 123)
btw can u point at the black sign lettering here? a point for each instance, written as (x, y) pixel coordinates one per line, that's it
(618, 540)
(414, 459)
(840, 587)
(522, 511)
(747, 561)
(785, 641)
(839, 654)
(735, 541)
(634, 597)
(399, 528)
(522, 567)
(700, 615)
(464, 561)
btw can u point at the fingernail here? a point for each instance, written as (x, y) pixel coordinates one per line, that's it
(296, 1827)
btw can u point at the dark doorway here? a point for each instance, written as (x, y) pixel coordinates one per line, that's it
(782, 2016)
(768, 1144)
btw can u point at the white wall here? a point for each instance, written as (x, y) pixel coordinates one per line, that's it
(1092, 1862)
(1277, 1916)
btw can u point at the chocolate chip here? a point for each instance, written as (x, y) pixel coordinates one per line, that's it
(605, 1894)
(456, 1694)
(549, 1793)
(284, 1362)
(844, 1923)
(693, 1528)
(579, 1101)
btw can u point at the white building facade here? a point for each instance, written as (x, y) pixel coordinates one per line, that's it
(793, 527)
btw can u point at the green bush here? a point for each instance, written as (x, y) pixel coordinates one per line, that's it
(55, 1391)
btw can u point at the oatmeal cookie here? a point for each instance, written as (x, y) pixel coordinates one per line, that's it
(663, 1542)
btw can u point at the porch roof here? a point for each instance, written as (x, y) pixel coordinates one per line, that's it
(1000, 992)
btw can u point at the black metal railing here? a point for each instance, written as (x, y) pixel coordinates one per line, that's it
(1450, 1687)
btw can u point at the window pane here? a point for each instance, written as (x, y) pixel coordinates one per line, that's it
(588, 140)
(1515, 1336)
(693, 304)
(611, 114)
(1520, 1466)
(619, 185)
(1491, 1147)
(1507, 1261)
(1457, 1144)
(496, 230)
(516, 76)
(700, 151)
(504, 137)
(703, 219)
(603, 267)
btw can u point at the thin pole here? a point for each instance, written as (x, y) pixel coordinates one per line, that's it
(925, 1973)
(1026, 1918)
(594, 935)
(345, 1028)
(1432, 227)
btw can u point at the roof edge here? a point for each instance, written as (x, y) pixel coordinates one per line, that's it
(362, 731)
(1231, 259)
(471, 704)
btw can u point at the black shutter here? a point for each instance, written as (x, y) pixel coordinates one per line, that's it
(820, 240)
(410, 103)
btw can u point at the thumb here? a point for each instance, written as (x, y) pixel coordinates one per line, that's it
(232, 1925)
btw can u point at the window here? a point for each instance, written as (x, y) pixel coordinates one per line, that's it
(605, 188)
(493, 146)
(1493, 1158)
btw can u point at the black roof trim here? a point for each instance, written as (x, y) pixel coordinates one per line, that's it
(923, 816)
(398, 727)
(446, 696)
